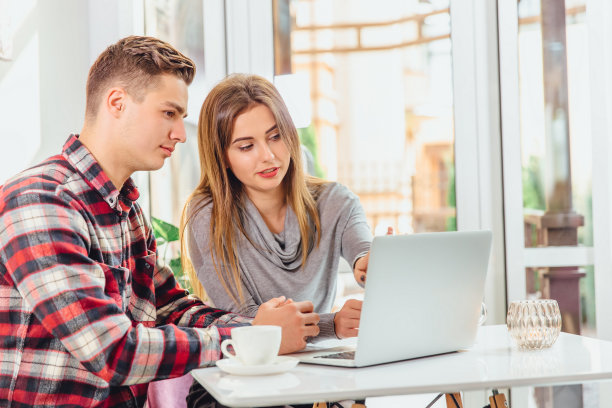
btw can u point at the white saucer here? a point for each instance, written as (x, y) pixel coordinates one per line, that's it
(279, 365)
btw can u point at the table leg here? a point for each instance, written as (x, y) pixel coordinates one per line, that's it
(498, 400)
(454, 400)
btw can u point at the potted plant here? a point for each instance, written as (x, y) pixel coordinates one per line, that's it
(166, 234)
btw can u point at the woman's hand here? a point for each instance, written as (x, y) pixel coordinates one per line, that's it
(361, 266)
(346, 321)
(361, 269)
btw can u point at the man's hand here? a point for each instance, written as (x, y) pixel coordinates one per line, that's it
(346, 321)
(361, 266)
(296, 319)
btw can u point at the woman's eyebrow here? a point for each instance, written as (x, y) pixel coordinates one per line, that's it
(240, 139)
(272, 128)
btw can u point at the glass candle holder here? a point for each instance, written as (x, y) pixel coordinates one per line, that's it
(534, 324)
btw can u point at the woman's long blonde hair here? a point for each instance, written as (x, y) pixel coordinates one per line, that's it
(231, 97)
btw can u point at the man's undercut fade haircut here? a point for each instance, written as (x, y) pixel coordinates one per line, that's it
(133, 63)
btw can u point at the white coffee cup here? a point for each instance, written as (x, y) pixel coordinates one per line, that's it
(253, 345)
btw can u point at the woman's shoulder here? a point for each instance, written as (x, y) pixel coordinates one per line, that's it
(199, 208)
(336, 199)
(334, 191)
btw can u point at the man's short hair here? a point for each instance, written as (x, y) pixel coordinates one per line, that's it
(133, 63)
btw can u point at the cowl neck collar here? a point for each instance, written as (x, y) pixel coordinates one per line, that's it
(283, 249)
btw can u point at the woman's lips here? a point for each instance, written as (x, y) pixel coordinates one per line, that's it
(269, 174)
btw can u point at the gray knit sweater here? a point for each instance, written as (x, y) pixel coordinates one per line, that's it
(273, 265)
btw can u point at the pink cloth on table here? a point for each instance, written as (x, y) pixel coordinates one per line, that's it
(169, 393)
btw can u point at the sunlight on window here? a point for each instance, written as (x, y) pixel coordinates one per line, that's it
(382, 104)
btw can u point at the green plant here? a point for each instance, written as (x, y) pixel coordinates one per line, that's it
(166, 234)
(309, 139)
(533, 187)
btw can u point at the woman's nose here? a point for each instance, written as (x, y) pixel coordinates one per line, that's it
(267, 153)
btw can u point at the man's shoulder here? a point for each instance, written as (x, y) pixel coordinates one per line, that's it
(48, 176)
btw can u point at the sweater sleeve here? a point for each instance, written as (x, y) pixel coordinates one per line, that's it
(347, 229)
(356, 234)
(327, 328)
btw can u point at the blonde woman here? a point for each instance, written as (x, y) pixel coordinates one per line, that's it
(256, 227)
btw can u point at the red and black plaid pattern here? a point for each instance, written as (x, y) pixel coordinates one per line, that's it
(87, 317)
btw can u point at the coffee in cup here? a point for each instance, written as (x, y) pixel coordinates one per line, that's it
(253, 345)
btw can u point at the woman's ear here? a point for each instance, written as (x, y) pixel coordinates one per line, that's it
(226, 161)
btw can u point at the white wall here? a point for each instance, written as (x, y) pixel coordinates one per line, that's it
(42, 89)
(38, 107)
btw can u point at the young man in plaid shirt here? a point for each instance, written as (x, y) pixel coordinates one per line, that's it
(87, 318)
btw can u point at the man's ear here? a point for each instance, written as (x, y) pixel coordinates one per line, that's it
(115, 101)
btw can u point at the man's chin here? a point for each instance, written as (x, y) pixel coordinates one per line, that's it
(154, 166)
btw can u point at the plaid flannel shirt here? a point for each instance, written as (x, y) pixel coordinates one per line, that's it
(87, 318)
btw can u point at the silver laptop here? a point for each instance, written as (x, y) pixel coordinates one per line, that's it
(422, 297)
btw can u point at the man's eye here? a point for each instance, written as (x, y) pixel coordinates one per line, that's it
(169, 114)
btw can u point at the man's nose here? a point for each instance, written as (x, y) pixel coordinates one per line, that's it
(178, 132)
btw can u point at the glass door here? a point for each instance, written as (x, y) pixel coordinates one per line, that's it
(549, 136)
(556, 176)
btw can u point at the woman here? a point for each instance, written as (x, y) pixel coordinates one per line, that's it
(256, 227)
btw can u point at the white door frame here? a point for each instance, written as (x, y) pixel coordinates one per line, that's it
(511, 147)
(478, 171)
(599, 15)
(250, 37)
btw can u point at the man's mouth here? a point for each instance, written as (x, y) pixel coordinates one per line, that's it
(168, 150)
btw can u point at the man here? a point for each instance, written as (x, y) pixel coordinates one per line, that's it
(87, 318)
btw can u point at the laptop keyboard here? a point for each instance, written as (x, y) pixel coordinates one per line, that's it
(345, 355)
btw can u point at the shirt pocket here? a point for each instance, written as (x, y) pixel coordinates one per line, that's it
(118, 285)
(142, 308)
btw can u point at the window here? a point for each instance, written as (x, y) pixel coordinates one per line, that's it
(556, 144)
(380, 83)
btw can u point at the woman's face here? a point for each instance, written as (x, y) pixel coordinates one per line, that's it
(257, 155)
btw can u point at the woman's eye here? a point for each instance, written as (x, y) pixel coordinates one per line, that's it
(245, 148)
(275, 137)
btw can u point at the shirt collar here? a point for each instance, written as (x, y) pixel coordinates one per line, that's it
(84, 162)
